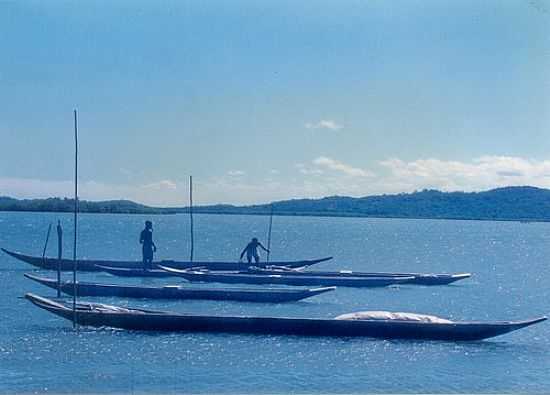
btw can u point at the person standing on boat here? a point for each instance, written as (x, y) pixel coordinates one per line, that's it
(251, 250)
(149, 247)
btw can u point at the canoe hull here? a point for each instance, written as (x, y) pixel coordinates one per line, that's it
(416, 278)
(438, 279)
(144, 320)
(281, 279)
(340, 277)
(260, 295)
(92, 265)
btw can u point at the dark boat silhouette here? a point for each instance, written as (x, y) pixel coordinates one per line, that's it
(90, 265)
(263, 295)
(101, 315)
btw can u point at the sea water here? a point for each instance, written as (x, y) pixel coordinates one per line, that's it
(40, 352)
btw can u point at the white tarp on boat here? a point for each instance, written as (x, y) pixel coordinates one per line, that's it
(389, 315)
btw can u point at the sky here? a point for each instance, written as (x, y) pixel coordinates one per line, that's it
(272, 100)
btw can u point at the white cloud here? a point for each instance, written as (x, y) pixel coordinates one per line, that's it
(336, 165)
(324, 124)
(163, 192)
(322, 177)
(308, 171)
(481, 173)
(30, 188)
(327, 176)
(160, 185)
(236, 173)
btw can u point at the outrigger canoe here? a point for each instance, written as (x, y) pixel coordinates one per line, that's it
(85, 265)
(413, 278)
(263, 295)
(305, 280)
(418, 278)
(101, 315)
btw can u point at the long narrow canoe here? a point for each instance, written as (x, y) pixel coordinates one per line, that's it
(417, 278)
(247, 278)
(264, 295)
(413, 278)
(100, 315)
(85, 265)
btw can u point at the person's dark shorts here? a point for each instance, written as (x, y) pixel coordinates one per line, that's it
(147, 253)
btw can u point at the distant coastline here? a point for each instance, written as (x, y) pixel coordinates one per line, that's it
(528, 204)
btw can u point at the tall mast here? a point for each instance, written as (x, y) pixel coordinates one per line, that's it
(269, 232)
(59, 255)
(75, 215)
(46, 244)
(191, 215)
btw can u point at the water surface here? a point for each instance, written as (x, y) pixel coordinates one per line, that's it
(41, 353)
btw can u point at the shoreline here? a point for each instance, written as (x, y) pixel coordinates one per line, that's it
(521, 204)
(291, 214)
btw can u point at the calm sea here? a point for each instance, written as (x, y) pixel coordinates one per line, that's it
(510, 262)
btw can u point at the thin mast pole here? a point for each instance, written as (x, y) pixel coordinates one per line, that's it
(269, 232)
(75, 215)
(191, 215)
(46, 244)
(59, 255)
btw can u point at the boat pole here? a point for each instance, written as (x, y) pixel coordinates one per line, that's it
(269, 232)
(46, 244)
(75, 216)
(191, 215)
(59, 254)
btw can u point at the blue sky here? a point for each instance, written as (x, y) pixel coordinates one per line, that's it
(263, 101)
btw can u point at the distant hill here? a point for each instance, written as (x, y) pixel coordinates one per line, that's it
(67, 205)
(509, 203)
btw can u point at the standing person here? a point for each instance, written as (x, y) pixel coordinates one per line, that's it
(251, 250)
(149, 247)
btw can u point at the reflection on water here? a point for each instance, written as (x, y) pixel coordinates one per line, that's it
(40, 352)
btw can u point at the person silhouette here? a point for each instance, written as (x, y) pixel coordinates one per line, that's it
(149, 247)
(251, 250)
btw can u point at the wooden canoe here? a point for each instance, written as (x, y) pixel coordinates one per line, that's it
(86, 265)
(413, 278)
(417, 278)
(263, 295)
(100, 315)
(305, 280)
